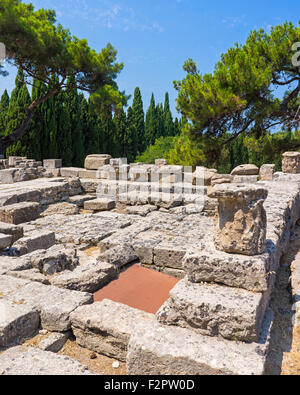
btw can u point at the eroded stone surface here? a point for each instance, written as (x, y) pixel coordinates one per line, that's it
(105, 327)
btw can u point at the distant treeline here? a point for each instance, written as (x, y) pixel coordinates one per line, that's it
(67, 127)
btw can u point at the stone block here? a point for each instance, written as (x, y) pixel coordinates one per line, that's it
(105, 327)
(245, 170)
(217, 179)
(90, 174)
(156, 349)
(266, 172)
(10, 176)
(61, 208)
(245, 179)
(12, 160)
(93, 162)
(5, 241)
(215, 310)
(19, 213)
(119, 256)
(54, 342)
(100, 204)
(80, 199)
(29, 361)
(70, 172)
(38, 240)
(52, 163)
(161, 162)
(17, 321)
(89, 277)
(9, 229)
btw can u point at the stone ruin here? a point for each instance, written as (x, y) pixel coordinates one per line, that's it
(222, 236)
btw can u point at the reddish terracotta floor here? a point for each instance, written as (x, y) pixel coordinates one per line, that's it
(139, 287)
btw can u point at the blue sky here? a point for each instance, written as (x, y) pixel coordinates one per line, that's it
(155, 37)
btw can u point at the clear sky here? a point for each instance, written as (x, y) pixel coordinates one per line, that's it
(155, 37)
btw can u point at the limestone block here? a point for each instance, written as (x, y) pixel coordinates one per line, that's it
(215, 310)
(245, 170)
(12, 160)
(52, 163)
(5, 241)
(19, 213)
(119, 256)
(240, 221)
(161, 162)
(54, 342)
(89, 277)
(29, 361)
(80, 199)
(10, 176)
(30, 274)
(210, 265)
(54, 304)
(105, 327)
(17, 321)
(291, 163)
(266, 172)
(72, 172)
(38, 240)
(61, 208)
(168, 255)
(9, 229)
(100, 204)
(93, 162)
(156, 349)
(90, 174)
(245, 179)
(217, 179)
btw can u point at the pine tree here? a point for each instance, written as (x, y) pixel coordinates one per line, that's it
(4, 104)
(139, 120)
(20, 100)
(168, 119)
(72, 101)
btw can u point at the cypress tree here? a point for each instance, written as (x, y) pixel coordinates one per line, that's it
(65, 137)
(4, 104)
(139, 120)
(20, 100)
(130, 139)
(151, 126)
(72, 101)
(120, 133)
(176, 127)
(89, 122)
(160, 131)
(108, 130)
(168, 119)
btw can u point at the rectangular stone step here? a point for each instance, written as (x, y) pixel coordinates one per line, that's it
(105, 327)
(29, 361)
(215, 310)
(17, 321)
(37, 240)
(19, 213)
(5, 241)
(101, 204)
(253, 273)
(9, 229)
(156, 349)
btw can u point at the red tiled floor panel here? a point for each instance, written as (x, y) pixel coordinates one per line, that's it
(140, 288)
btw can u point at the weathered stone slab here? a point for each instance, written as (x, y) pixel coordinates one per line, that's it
(156, 349)
(160, 162)
(61, 208)
(90, 174)
(8, 264)
(29, 361)
(140, 210)
(5, 240)
(119, 256)
(245, 179)
(12, 160)
(52, 163)
(54, 304)
(80, 199)
(105, 327)
(93, 162)
(30, 274)
(266, 172)
(86, 278)
(217, 179)
(70, 172)
(215, 310)
(38, 240)
(17, 321)
(210, 265)
(168, 255)
(9, 229)
(245, 170)
(100, 204)
(19, 213)
(54, 342)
